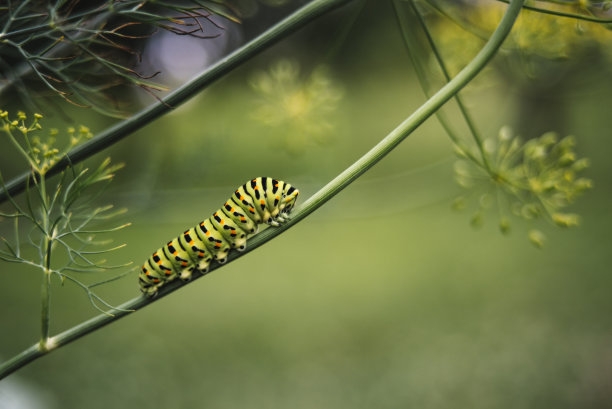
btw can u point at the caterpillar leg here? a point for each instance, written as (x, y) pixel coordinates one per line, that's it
(283, 218)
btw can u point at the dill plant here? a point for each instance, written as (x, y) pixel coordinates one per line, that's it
(54, 226)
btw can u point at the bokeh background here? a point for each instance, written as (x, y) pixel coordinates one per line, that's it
(383, 298)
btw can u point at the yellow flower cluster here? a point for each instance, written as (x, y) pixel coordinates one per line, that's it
(535, 34)
(41, 153)
(533, 180)
(297, 109)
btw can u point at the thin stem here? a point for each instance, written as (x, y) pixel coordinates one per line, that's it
(462, 108)
(564, 14)
(45, 293)
(16, 226)
(410, 43)
(45, 312)
(124, 128)
(313, 203)
(20, 148)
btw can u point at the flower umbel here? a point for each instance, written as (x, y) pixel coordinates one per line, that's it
(40, 153)
(534, 180)
(296, 109)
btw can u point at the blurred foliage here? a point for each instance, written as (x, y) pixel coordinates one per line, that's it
(542, 59)
(536, 36)
(296, 111)
(383, 298)
(84, 52)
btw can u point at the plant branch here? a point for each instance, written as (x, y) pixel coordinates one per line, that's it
(313, 203)
(409, 34)
(458, 99)
(124, 128)
(557, 13)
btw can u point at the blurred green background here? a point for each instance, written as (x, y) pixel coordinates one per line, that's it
(383, 298)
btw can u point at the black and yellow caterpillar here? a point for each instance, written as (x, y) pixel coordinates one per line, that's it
(261, 200)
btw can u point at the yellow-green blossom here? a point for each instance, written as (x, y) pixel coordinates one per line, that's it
(462, 32)
(532, 180)
(297, 110)
(41, 152)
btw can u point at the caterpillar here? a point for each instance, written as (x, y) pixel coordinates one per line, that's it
(260, 200)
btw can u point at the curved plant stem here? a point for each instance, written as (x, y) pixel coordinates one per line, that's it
(576, 16)
(410, 40)
(124, 128)
(317, 200)
(458, 99)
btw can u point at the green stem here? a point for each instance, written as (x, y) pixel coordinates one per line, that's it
(314, 202)
(564, 14)
(462, 108)
(410, 39)
(45, 293)
(22, 151)
(124, 128)
(45, 314)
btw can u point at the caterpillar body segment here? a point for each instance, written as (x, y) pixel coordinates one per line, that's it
(260, 200)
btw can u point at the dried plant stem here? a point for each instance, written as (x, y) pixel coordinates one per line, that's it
(317, 200)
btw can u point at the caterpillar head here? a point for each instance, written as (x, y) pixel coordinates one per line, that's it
(290, 195)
